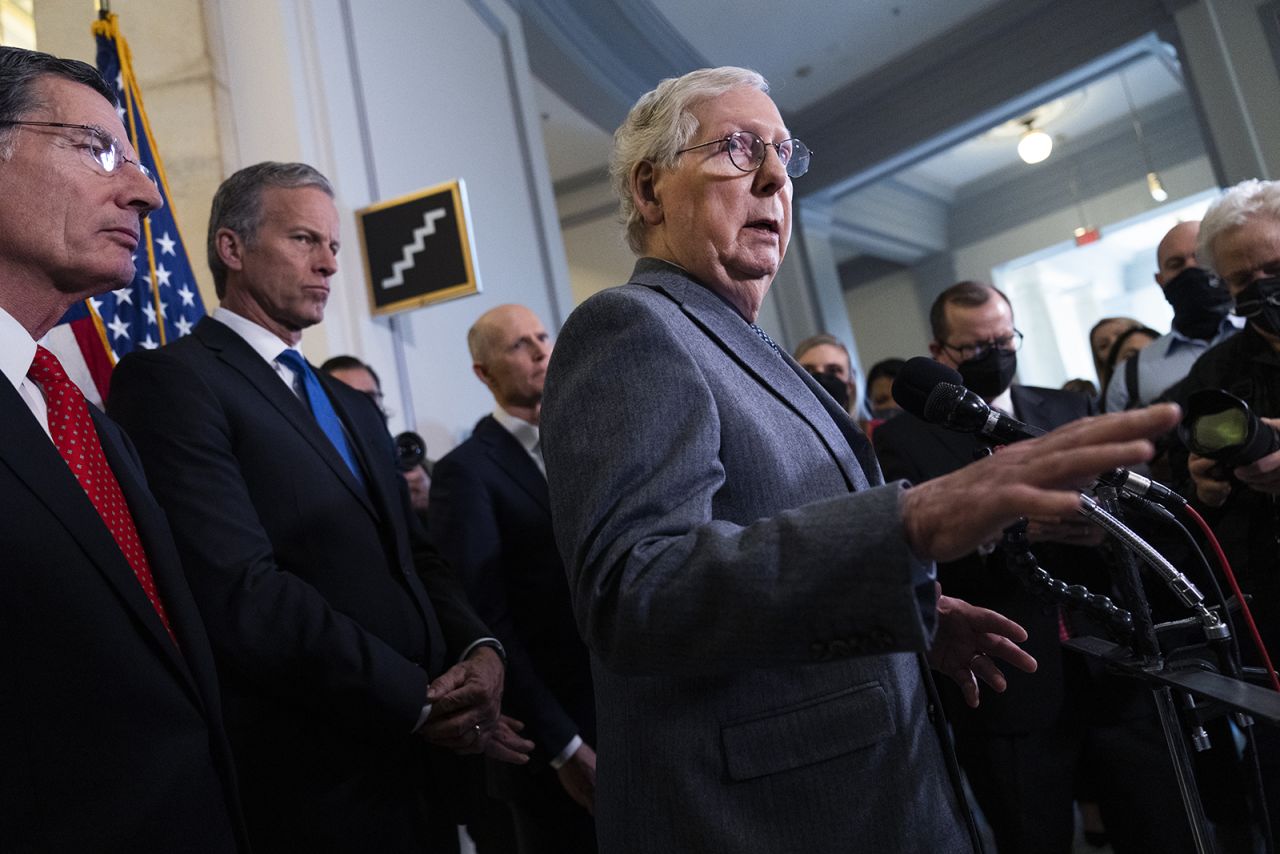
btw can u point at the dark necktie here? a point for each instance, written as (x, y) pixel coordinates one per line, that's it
(764, 336)
(77, 441)
(313, 395)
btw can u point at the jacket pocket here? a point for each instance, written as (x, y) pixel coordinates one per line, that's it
(815, 730)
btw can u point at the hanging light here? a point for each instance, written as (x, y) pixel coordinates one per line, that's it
(1035, 146)
(1154, 185)
(1155, 188)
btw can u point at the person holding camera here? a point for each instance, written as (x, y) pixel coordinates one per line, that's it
(1240, 242)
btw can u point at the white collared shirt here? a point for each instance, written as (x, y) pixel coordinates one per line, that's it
(525, 433)
(1004, 402)
(265, 343)
(17, 352)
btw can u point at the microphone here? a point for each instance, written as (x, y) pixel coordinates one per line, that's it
(936, 393)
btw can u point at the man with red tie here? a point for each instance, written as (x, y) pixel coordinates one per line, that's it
(110, 723)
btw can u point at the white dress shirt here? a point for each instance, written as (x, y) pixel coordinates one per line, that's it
(17, 352)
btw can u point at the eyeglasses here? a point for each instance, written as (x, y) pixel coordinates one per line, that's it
(101, 147)
(746, 151)
(977, 351)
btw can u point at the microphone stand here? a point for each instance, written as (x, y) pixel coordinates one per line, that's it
(1142, 659)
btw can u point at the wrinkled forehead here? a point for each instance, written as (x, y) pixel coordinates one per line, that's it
(991, 319)
(741, 108)
(60, 99)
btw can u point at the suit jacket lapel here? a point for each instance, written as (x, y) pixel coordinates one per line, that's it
(1029, 407)
(505, 450)
(30, 454)
(779, 375)
(148, 519)
(235, 352)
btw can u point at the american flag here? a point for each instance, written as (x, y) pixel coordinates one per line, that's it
(162, 302)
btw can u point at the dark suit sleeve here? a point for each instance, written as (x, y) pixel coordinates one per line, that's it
(269, 626)
(465, 527)
(893, 451)
(458, 621)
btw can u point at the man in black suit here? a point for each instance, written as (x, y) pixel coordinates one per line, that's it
(491, 517)
(334, 622)
(110, 729)
(1020, 749)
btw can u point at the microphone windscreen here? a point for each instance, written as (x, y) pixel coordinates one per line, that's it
(916, 381)
(942, 401)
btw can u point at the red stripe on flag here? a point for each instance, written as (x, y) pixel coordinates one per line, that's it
(95, 354)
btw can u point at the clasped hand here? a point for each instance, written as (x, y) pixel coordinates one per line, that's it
(466, 716)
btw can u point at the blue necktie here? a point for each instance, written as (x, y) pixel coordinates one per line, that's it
(321, 408)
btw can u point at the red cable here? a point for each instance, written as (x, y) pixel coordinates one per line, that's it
(1235, 588)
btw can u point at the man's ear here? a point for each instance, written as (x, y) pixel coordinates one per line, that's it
(935, 350)
(230, 249)
(481, 373)
(644, 193)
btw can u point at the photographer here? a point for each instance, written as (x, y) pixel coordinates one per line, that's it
(1240, 241)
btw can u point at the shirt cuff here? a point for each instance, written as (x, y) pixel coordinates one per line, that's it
(567, 754)
(422, 719)
(492, 643)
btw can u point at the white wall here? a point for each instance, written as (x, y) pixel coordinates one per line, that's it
(977, 260)
(888, 320)
(386, 98)
(599, 257)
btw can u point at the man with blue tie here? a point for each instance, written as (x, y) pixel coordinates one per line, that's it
(343, 640)
(110, 726)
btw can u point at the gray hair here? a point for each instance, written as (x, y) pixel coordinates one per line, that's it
(1236, 206)
(660, 124)
(237, 205)
(20, 69)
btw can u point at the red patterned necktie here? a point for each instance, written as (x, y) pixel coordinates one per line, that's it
(77, 441)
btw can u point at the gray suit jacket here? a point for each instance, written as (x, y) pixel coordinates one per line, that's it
(743, 583)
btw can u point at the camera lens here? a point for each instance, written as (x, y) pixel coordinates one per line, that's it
(411, 451)
(1221, 426)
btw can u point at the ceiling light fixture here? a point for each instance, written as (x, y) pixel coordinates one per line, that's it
(1035, 146)
(1156, 188)
(1154, 185)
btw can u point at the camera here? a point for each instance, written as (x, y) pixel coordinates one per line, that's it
(1220, 426)
(411, 451)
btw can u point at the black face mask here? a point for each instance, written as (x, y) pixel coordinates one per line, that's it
(991, 373)
(833, 386)
(1262, 297)
(1199, 303)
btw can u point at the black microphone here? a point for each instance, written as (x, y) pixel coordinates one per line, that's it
(935, 393)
